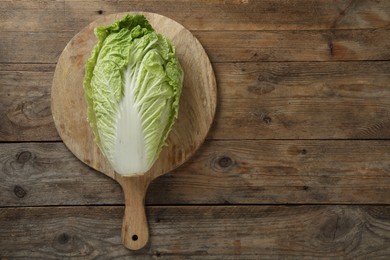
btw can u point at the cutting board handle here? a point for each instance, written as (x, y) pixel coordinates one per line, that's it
(135, 232)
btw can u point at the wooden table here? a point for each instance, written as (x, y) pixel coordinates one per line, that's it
(297, 164)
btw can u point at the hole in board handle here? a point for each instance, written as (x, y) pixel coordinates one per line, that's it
(134, 237)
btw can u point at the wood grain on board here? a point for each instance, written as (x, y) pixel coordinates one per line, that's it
(221, 172)
(305, 100)
(206, 232)
(46, 15)
(227, 46)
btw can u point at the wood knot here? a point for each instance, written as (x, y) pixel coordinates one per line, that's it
(23, 157)
(261, 88)
(294, 150)
(19, 192)
(337, 227)
(225, 162)
(267, 120)
(330, 46)
(262, 116)
(68, 243)
(63, 238)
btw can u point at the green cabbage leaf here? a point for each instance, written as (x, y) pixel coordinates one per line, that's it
(133, 81)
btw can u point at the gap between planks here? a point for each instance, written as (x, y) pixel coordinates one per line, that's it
(242, 205)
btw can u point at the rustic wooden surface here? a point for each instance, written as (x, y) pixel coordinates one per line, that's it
(201, 232)
(297, 163)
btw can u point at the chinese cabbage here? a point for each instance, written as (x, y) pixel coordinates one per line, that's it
(132, 84)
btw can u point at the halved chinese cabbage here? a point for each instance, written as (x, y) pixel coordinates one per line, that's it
(132, 84)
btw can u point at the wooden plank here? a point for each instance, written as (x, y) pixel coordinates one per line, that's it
(227, 46)
(226, 232)
(222, 172)
(38, 16)
(25, 112)
(33, 47)
(301, 100)
(28, 67)
(343, 45)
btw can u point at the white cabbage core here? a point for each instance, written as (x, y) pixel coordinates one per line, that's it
(129, 150)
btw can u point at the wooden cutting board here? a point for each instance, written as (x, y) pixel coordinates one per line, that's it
(196, 113)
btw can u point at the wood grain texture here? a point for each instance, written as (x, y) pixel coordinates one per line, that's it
(221, 172)
(250, 232)
(227, 46)
(47, 15)
(135, 230)
(305, 100)
(302, 69)
(25, 112)
(49, 174)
